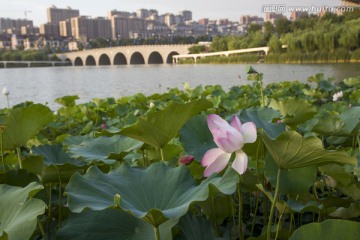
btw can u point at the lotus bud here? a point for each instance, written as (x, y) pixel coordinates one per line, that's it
(151, 105)
(187, 86)
(186, 159)
(330, 181)
(103, 126)
(5, 91)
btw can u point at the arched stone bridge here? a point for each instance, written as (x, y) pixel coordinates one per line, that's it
(125, 55)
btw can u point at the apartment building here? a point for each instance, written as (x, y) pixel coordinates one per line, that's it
(56, 15)
(84, 28)
(121, 26)
(14, 24)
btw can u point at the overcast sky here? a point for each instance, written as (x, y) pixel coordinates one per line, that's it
(211, 9)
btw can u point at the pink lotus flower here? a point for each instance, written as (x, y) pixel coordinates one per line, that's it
(229, 138)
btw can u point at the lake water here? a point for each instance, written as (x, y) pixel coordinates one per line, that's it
(43, 85)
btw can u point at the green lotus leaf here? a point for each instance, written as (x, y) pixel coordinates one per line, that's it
(353, 81)
(263, 117)
(24, 123)
(298, 207)
(51, 172)
(77, 140)
(295, 181)
(352, 190)
(104, 148)
(355, 96)
(111, 224)
(251, 70)
(329, 123)
(67, 101)
(352, 211)
(316, 78)
(196, 137)
(55, 155)
(197, 228)
(329, 229)
(351, 117)
(337, 172)
(155, 194)
(158, 128)
(281, 205)
(294, 110)
(326, 86)
(218, 208)
(291, 150)
(18, 177)
(19, 211)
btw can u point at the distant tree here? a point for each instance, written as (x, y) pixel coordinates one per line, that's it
(219, 44)
(197, 49)
(282, 26)
(274, 44)
(268, 29)
(253, 28)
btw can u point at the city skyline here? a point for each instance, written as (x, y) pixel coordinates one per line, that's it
(214, 10)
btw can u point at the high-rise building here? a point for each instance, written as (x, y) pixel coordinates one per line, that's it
(121, 27)
(115, 12)
(203, 21)
(142, 13)
(65, 28)
(169, 19)
(56, 15)
(272, 17)
(50, 29)
(247, 20)
(350, 3)
(187, 15)
(296, 15)
(84, 28)
(14, 24)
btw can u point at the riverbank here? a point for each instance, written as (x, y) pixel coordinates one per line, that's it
(282, 58)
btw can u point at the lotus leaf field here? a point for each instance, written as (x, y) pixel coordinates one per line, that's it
(133, 168)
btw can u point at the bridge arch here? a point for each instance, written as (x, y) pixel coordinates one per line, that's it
(90, 61)
(68, 60)
(104, 60)
(137, 58)
(120, 59)
(169, 59)
(78, 62)
(155, 58)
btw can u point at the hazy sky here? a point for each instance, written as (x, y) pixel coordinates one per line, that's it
(211, 9)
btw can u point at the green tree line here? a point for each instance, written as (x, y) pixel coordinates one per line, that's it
(312, 38)
(30, 55)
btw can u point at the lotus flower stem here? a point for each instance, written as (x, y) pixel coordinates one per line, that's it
(50, 199)
(240, 213)
(162, 154)
(157, 233)
(60, 195)
(2, 150)
(291, 223)
(41, 227)
(7, 100)
(233, 215)
(18, 150)
(254, 219)
(278, 226)
(262, 94)
(268, 235)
